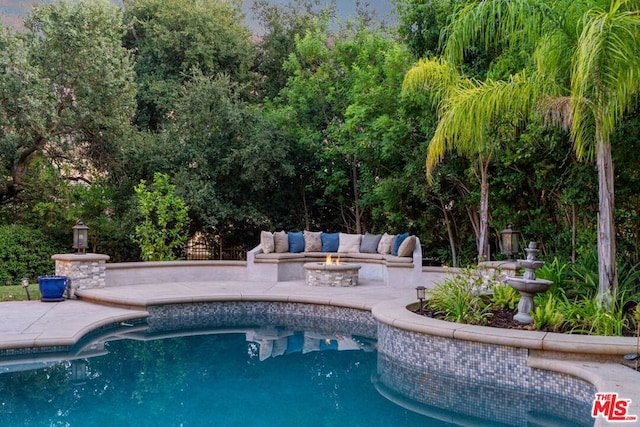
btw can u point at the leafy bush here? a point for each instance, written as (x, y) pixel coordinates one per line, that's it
(164, 220)
(459, 299)
(504, 296)
(556, 271)
(548, 315)
(25, 252)
(589, 316)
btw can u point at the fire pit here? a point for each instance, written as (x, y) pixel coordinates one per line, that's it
(331, 273)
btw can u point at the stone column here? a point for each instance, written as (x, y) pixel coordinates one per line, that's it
(84, 271)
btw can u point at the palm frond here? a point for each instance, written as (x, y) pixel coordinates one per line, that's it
(606, 70)
(510, 22)
(435, 76)
(472, 107)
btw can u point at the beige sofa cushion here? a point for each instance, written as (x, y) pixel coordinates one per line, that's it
(407, 246)
(281, 242)
(312, 241)
(349, 243)
(384, 247)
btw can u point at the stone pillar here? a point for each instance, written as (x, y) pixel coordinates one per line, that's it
(84, 271)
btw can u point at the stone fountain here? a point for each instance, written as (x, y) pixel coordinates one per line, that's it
(528, 285)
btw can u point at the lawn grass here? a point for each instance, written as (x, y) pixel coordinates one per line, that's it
(17, 293)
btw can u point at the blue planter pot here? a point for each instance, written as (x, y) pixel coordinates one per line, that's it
(52, 287)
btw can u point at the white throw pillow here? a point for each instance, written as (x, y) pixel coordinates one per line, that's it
(266, 242)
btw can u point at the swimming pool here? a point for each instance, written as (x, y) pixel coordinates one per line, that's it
(241, 376)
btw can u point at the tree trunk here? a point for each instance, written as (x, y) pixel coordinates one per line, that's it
(607, 275)
(356, 196)
(452, 243)
(483, 236)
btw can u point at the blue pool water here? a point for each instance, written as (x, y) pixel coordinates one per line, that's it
(231, 379)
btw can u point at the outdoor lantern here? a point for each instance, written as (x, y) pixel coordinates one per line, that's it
(80, 237)
(25, 285)
(509, 240)
(420, 291)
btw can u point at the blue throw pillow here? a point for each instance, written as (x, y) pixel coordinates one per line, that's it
(296, 242)
(330, 242)
(397, 242)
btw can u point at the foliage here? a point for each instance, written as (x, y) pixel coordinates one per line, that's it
(172, 39)
(229, 161)
(67, 92)
(420, 24)
(557, 271)
(25, 252)
(459, 299)
(164, 220)
(282, 24)
(583, 84)
(590, 316)
(504, 296)
(304, 127)
(547, 315)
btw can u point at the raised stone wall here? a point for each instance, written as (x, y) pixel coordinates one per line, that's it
(84, 271)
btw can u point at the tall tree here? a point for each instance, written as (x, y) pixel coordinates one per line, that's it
(281, 24)
(66, 90)
(173, 38)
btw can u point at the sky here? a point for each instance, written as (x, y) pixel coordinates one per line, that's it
(13, 11)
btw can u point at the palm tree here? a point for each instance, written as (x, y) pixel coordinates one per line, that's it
(585, 80)
(467, 110)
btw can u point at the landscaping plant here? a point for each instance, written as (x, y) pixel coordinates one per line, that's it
(504, 296)
(459, 299)
(547, 315)
(164, 220)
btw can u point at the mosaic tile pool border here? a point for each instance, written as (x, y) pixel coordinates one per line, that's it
(483, 404)
(206, 315)
(482, 363)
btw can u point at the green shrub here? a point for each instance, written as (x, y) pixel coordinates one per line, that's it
(504, 296)
(556, 271)
(588, 316)
(164, 220)
(25, 252)
(547, 315)
(459, 299)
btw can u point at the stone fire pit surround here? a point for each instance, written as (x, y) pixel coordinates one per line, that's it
(336, 275)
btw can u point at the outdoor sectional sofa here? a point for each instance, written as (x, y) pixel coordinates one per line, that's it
(395, 260)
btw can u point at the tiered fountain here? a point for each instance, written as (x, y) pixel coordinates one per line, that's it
(528, 285)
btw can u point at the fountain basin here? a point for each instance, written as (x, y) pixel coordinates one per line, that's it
(529, 286)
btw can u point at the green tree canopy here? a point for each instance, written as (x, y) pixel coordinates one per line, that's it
(67, 92)
(173, 38)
